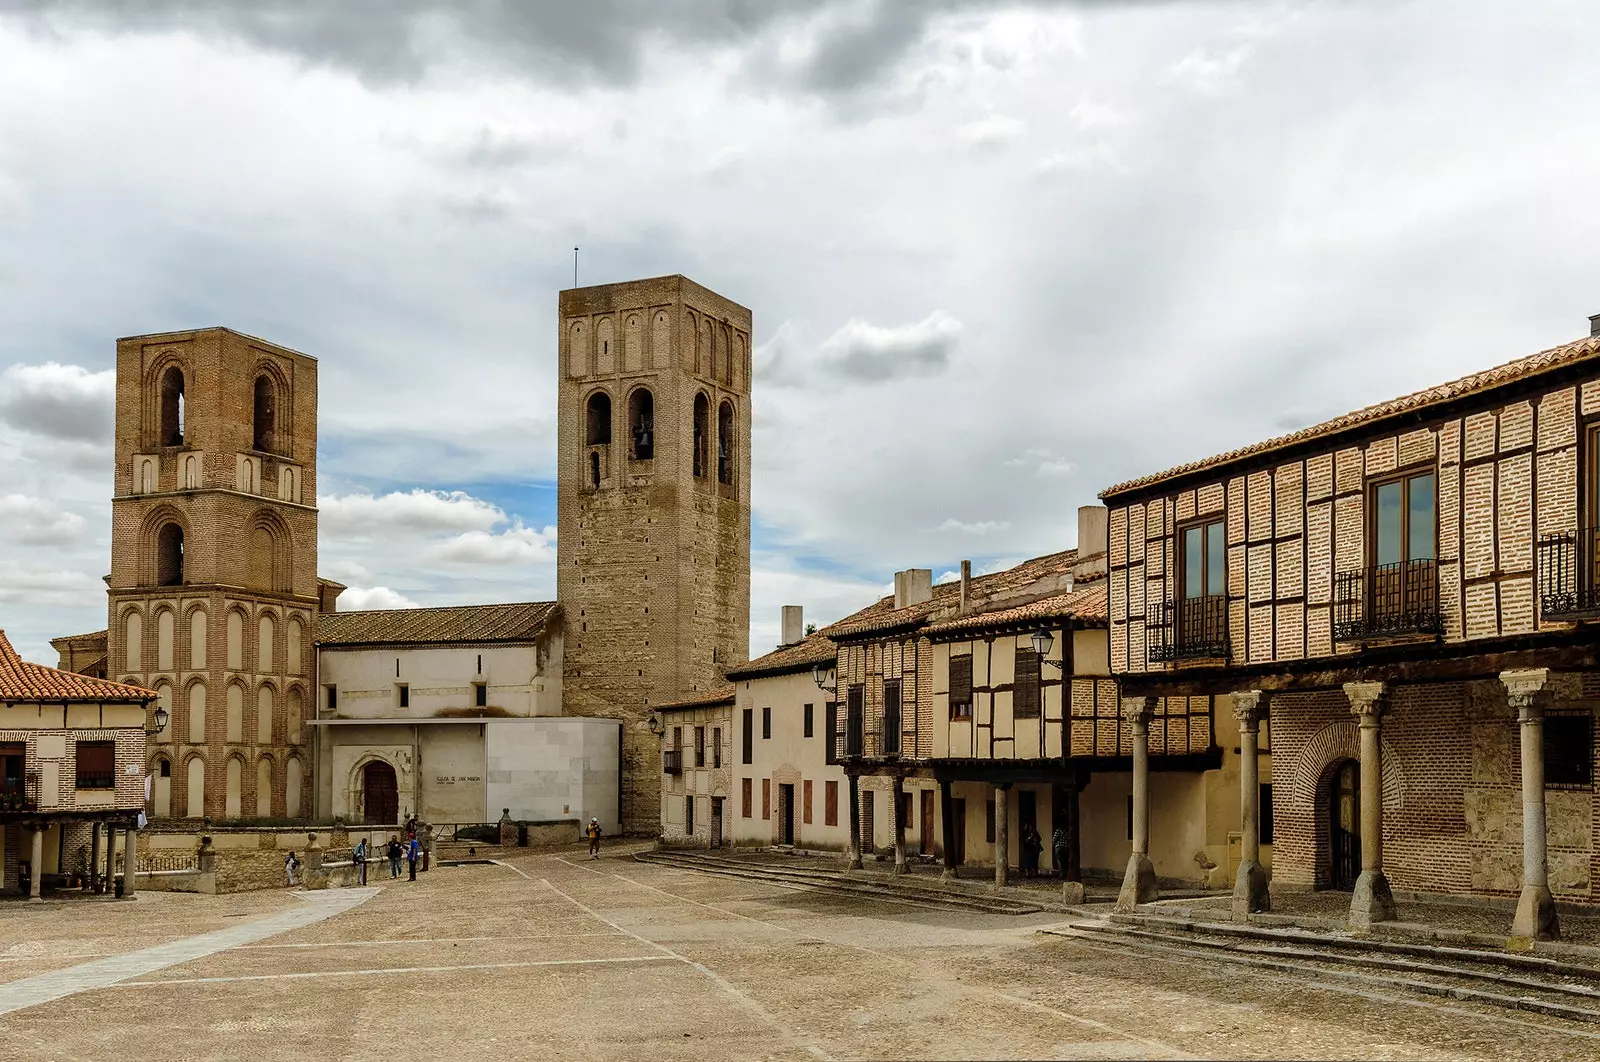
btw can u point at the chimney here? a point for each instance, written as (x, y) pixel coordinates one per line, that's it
(1594, 326)
(912, 587)
(794, 626)
(966, 587)
(1092, 541)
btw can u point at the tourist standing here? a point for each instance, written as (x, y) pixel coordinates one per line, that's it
(394, 856)
(1059, 843)
(593, 833)
(291, 863)
(1032, 845)
(413, 853)
(360, 857)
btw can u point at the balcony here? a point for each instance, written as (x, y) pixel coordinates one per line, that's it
(1569, 575)
(1388, 601)
(1195, 628)
(20, 794)
(672, 761)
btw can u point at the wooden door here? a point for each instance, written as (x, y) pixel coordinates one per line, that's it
(716, 822)
(786, 814)
(1344, 826)
(958, 812)
(380, 794)
(927, 822)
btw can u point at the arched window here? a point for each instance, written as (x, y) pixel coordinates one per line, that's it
(266, 413)
(599, 433)
(172, 407)
(642, 424)
(702, 433)
(725, 443)
(195, 788)
(169, 555)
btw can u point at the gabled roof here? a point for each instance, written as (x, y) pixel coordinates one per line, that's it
(817, 648)
(22, 681)
(1086, 603)
(1466, 386)
(708, 699)
(469, 624)
(883, 616)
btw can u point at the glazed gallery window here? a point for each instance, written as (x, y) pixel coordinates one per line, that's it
(1205, 564)
(1405, 520)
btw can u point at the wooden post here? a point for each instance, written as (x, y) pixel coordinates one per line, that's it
(855, 822)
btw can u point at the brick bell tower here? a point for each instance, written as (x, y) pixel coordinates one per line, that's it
(653, 495)
(213, 589)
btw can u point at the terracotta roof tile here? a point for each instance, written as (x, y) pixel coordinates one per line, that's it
(1533, 364)
(1085, 602)
(884, 616)
(817, 648)
(22, 681)
(519, 622)
(707, 699)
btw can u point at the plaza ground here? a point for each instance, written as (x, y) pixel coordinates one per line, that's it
(551, 955)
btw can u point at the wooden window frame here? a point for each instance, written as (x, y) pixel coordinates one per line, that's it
(830, 803)
(805, 802)
(959, 708)
(808, 721)
(889, 738)
(1202, 524)
(1370, 523)
(745, 789)
(766, 723)
(766, 799)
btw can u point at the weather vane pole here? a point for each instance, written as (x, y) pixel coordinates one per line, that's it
(574, 265)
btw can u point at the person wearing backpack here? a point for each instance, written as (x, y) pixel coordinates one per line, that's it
(413, 853)
(394, 856)
(593, 833)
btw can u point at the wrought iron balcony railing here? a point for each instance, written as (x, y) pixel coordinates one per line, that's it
(1569, 575)
(1195, 628)
(1387, 601)
(672, 761)
(20, 794)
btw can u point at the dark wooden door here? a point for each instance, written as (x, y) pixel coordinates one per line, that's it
(380, 794)
(716, 822)
(958, 813)
(786, 814)
(867, 831)
(1344, 825)
(927, 822)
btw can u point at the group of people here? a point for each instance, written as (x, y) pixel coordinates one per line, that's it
(1033, 846)
(410, 850)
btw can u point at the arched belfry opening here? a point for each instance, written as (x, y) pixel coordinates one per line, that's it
(702, 433)
(172, 407)
(169, 555)
(642, 424)
(266, 414)
(599, 420)
(725, 443)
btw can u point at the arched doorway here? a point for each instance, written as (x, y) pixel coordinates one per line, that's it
(380, 794)
(1344, 825)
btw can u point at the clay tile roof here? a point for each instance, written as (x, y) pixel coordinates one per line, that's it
(22, 681)
(817, 648)
(521, 622)
(1084, 603)
(707, 699)
(883, 616)
(1511, 372)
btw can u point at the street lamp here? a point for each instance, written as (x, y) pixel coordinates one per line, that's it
(161, 718)
(1042, 642)
(655, 724)
(826, 680)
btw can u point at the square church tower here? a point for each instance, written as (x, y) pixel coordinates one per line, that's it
(653, 499)
(213, 585)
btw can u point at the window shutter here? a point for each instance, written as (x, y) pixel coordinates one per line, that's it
(831, 753)
(960, 684)
(1025, 690)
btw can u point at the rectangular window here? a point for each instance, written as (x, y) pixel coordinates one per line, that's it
(1205, 566)
(961, 687)
(1568, 750)
(1404, 520)
(97, 765)
(333, 699)
(766, 724)
(805, 802)
(688, 815)
(988, 821)
(808, 720)
(766, 798)
(854, 698)
(891, 717)
(677, 737)
(699, 746)
(716, 746)
(744, 797)
(831, 732)
(830, 803)
(405, 695)
(1264, 823)
(480, 694)
(1025, 688)
(13, 761)
(749, 735)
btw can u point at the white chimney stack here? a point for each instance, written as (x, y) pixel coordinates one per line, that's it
(913, 587)
(794, 625)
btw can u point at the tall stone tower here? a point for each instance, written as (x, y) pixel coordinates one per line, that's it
(213, 588)
(654, 505)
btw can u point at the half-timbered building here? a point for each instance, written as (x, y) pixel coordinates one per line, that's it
(1404, 596)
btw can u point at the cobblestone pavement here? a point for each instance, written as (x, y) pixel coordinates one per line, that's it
(553, 955)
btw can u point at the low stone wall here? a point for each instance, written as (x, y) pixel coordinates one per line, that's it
(245, 858)
(177, 881)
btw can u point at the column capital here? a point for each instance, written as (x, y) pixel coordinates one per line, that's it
(1527, 691)
(1140, 710)
(1250, 707)
(1367, 700)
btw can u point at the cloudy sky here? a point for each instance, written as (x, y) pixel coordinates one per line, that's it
(1000, 255)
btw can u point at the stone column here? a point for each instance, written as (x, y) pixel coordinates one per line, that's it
(36, 865)
(1526, 691)
(94, 858)
(899, 826)
(111, 858)
(1002, 837)
(1372, 901)
(947, 819)
(855, 822)
(130, 862)
(1139, 882)
(1250, 887)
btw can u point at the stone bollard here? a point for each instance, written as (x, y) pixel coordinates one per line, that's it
(313, 853)
(1072, 893)
(208, 855)
(508, 830)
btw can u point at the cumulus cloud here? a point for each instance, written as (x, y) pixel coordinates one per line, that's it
(360, 598)
(979, 527)
(38, 521)
(1207, 71)
(39, 585)
(516, 545)
(66, 402)
(418, 510)
(1041, 462)
(874, 353)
